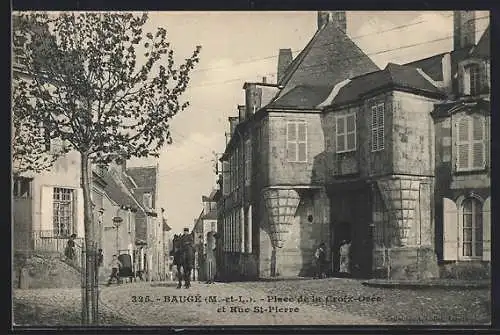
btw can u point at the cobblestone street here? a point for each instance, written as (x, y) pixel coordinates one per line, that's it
(324, 302)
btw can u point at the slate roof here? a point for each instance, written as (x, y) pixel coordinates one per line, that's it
(329, 58)
(117, 192)
(394, 75)
(302, 97)
(482, 49)
(433, 67)
(144, 176)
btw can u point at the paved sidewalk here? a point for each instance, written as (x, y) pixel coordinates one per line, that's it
(124, 300)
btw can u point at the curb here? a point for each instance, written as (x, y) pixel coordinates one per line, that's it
(426, 285)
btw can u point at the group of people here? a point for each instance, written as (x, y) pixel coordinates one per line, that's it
(321, 262)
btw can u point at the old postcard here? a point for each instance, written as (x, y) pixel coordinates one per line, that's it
(251, 168)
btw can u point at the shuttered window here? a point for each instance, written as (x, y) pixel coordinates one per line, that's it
(346, 133)
(296, 141)
(471, 142)
(473, 76)
(377, 127)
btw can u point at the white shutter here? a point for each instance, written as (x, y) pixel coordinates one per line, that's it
(466, 81)
(242, 229)
(374, 128)
(79, 215)
(249, 239)
(487, 230)
(463, 143)
(47, 210)
(450, 230)
(381, 126)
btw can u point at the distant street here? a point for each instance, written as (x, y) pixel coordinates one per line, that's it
(287, 302)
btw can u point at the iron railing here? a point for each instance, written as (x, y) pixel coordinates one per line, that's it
(47, 241)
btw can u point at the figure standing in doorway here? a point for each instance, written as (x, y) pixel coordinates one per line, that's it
(345, 258)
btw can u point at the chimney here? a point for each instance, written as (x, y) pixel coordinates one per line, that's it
(337, 17)
(241, 112)
(446, 66)
(233, 122)
(253, 98)
(464, 29)
(264, 80)
(284, 60)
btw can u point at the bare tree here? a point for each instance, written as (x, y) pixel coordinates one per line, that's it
(81, 83)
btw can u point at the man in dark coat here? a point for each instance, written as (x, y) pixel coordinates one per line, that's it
(188, 256)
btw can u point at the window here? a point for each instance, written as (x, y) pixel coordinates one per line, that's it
(22, 187)
(346, 133)
(147, 200)
(377, 127)
(472, 230)
(471, 144)
(297, 141)
(63, 215)
(472, 79)
(248, 162)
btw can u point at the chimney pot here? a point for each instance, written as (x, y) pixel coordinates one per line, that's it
(338, 18)
(264, 80)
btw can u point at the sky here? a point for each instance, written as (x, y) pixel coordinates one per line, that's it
(243, 46)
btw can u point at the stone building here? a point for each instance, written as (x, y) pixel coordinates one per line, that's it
(395, 160)
(273, 214)
(204, 229)
(143, 182)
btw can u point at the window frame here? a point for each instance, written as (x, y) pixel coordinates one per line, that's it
(476, 208)
(470, 141)
(375, 127)
(472, 79)
(296, 142)
(346, 133)
(17, 183)
(72, 208)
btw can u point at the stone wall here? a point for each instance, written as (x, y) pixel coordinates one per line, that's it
(281, 171)
(308, 229)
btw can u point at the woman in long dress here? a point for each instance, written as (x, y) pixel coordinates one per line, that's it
(345, 261)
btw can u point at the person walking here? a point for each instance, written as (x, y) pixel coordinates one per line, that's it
(320, 260)
(115, 268)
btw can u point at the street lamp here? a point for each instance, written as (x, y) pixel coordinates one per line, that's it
(116, 223)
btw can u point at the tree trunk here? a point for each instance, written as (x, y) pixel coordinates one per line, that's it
(88, 301)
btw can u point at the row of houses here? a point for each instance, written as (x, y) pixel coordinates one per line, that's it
(396, 160)
(48, 209)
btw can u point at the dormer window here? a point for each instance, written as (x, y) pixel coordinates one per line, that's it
(147, 200)
(472, 79)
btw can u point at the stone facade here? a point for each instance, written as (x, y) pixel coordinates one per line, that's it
(374, 162)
